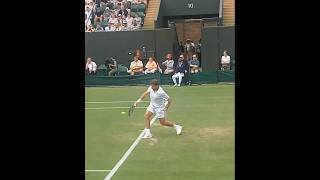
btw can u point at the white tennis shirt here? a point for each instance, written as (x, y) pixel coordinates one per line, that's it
(158, 98)
(225, 60)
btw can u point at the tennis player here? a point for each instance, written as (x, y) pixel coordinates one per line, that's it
(159, 104)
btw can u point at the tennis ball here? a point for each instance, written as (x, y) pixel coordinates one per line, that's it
(123, 112)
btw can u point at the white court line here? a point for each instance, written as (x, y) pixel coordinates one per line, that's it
(125, 156)
(110, 102)
(94, 170)
(115, 108)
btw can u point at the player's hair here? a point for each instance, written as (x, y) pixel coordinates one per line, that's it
(154, 82)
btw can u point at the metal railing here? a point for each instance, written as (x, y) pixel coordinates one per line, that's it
(220, 21)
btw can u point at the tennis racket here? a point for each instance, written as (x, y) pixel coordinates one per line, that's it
(131, 110)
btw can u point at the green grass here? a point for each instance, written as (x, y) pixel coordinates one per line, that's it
(204, 150)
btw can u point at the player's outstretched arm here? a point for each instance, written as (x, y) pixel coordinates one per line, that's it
(141, 98)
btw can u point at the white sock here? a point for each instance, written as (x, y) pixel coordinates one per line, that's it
(147, 131)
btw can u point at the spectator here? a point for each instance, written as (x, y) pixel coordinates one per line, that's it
(87, 21)
(138, 20)
(88, 12)
(136, 66)
(194, 64)
(104, 22)
(96, 23)
(189, 49)
(125, 26)
(91, 66)
(127, 4)
(179, 71)
(138, 53)
(110, 27)
(110, 5)
(168, 63)
(90, 28)
(98, 14)
(129, 20)
(112, 66)
(113, 19)
(151, 66)
(119, 20)
(198, 51)
(117, 5)
(99, 28)
(123, 11)
(134, 25)
(120, 27)
(225, 61)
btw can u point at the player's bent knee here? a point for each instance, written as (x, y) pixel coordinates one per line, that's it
(162, 121)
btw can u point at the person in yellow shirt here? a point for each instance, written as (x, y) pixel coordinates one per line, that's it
(151, 66)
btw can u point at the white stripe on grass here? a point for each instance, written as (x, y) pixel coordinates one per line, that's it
(111, 102)
(96, 170)
(126, 155)
(113, 108)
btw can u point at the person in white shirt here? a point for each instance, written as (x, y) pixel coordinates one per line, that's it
(110, 27)
(134, 25)
(91, 66)
(113, 19)
(138, 20)
(88, 12)
(168, 63)
(129, 20)
(159, 105)
(136, 66)
(225, 61)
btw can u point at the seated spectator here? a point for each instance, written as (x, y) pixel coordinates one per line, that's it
(110, 5)
(99, 28)
(225, 61)
(96, 23)
(189, 49)
(117, 5)
(86, 20)
(119, 20)
(90, 28)
(91, 66)
(168, 63)
(127, 4)
(151, 66)
(125, 26)
(179, 70)
(110, 27)
(138, 20)
(134, 25)
(88, 12)
(112, 19)
(119, 27)
(104, 22)
(123, 11)
(136, 66)
(194, 64)
(138, 53)
(129, 20)
(112, 66)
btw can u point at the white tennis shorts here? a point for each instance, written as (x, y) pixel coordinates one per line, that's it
(159, 112)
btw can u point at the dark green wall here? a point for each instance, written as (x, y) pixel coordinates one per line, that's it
(180, 7)
(227, 38)
(102, 45)
(214, 41)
